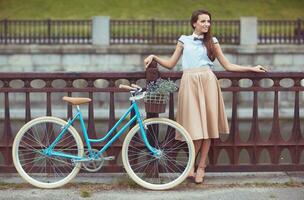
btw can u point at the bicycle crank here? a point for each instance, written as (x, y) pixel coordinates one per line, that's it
(93, 165)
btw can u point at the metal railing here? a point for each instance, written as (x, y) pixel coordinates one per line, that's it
(281, 31)
(89, 84)
(167, 31)
(142, 31)
(45, 31)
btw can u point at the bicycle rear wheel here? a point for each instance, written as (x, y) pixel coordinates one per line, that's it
(166, 170)
(34, 165)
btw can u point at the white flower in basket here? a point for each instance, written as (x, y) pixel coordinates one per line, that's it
(158, 95)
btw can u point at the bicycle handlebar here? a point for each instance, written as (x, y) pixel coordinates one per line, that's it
(136, 86)
(135, 90)
(127, 87)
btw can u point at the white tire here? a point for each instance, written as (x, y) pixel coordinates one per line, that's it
(35, 167)
(167, 170)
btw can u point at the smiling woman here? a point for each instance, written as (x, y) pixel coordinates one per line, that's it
(200, 107)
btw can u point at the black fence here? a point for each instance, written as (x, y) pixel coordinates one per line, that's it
(281, 31)
(45, 31)
(168, 31)
(142, 31)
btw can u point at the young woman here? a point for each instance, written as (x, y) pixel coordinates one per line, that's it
(200, 104)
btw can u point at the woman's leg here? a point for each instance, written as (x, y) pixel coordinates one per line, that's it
(197, 147)
(200, 172)
(204, 152)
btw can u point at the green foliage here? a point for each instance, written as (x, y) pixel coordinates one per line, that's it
(85, 194)
(147, 9)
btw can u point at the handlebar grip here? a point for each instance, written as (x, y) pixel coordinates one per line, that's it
(122, 86)
(135, 86)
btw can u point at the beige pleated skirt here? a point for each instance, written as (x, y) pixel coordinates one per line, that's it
(200, 107)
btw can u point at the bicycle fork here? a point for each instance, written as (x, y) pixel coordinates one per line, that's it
(156, 152)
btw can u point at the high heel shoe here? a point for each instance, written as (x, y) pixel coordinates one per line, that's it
(200, 173)
(191, 174)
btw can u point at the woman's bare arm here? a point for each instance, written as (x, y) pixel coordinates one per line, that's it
(233, 67)
(167, 63)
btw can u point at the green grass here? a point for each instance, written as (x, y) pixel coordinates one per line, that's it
(85, 193)
(147, 9)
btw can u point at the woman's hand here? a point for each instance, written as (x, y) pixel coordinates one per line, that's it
(259, 68)
(148, 60)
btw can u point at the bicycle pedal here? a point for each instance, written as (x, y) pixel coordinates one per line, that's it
(109, 158)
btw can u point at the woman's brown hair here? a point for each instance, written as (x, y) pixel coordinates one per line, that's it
(208, 38)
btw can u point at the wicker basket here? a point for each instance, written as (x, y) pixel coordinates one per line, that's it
(155, 102)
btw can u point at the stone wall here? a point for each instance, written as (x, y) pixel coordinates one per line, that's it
(118, 58)
(27, 58)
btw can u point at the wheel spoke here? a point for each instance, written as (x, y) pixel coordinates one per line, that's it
(47, 170)
(159, 171)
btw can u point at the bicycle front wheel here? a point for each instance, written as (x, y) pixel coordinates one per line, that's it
(32, 163)
(166, 170)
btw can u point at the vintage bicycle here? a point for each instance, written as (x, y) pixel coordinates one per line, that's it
(48, 152)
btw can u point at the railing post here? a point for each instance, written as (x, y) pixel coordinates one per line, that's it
(101, 30)
(299, 31)
(249, 31)
(153, 31)
(5, 31)
(152, 74)
(7, 132)
(49, 31)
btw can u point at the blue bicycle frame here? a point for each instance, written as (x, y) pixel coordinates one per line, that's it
(51, 152)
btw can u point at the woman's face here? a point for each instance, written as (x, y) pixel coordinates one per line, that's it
(202, 24)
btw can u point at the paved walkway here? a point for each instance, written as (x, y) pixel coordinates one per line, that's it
(247, 186)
